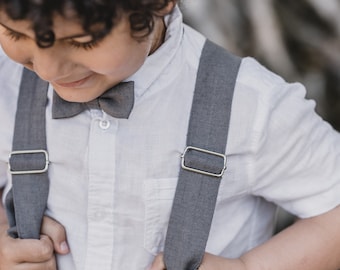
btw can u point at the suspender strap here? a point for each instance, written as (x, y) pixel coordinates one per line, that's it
(26, 201)
(203, 161)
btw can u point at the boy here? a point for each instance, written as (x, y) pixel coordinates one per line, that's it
(112, 180)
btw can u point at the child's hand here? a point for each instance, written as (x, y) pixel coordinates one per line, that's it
(210, 262)
(27, 254)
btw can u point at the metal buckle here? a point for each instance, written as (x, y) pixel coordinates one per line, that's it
(26, 152)
(190, 148)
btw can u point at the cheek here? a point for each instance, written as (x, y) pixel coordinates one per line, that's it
(17, 51)
(123, 60)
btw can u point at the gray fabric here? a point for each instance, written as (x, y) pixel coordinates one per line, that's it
(196, 194)
(26, 201)
(117, 101)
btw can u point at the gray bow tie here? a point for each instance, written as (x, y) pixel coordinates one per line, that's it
(117, 101)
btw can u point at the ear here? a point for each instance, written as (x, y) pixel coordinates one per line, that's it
(167, 9)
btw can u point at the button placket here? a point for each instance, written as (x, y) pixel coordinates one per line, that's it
(101, 191)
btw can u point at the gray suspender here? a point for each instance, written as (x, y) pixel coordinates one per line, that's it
(26, 202)
(196, 192)
(203, 161)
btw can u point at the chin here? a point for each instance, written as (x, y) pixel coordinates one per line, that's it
(75, 95)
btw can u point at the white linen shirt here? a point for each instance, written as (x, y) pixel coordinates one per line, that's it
(113, 180)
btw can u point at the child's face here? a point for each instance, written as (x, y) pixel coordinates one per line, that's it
(78, 69)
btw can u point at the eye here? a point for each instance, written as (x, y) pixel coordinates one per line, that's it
(86, 42)
(14, 35)
(84, 45)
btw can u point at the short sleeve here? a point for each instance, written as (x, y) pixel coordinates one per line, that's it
(296, 162)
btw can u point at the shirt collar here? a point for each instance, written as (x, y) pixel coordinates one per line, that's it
(155, 64)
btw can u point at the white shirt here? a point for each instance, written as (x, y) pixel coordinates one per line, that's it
(112, 185)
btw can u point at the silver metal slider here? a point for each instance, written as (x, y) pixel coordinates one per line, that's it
(43, 168)
(198, 170)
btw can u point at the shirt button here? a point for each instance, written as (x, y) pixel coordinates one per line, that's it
(104, 124)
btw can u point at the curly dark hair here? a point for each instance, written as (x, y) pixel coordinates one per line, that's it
(96, 16)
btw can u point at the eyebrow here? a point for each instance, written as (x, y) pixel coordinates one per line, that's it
(63, 38)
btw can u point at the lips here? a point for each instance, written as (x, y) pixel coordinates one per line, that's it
(73, 84)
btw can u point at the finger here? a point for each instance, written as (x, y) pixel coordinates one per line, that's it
(48, 265)
(158, 263)
(57, 233)
(28, 250)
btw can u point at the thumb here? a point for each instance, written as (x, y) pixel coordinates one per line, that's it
(56, 232)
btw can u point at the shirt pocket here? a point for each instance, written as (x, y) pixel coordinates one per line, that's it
(159, 195)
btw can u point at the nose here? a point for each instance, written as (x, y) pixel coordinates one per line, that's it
(49, 63)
